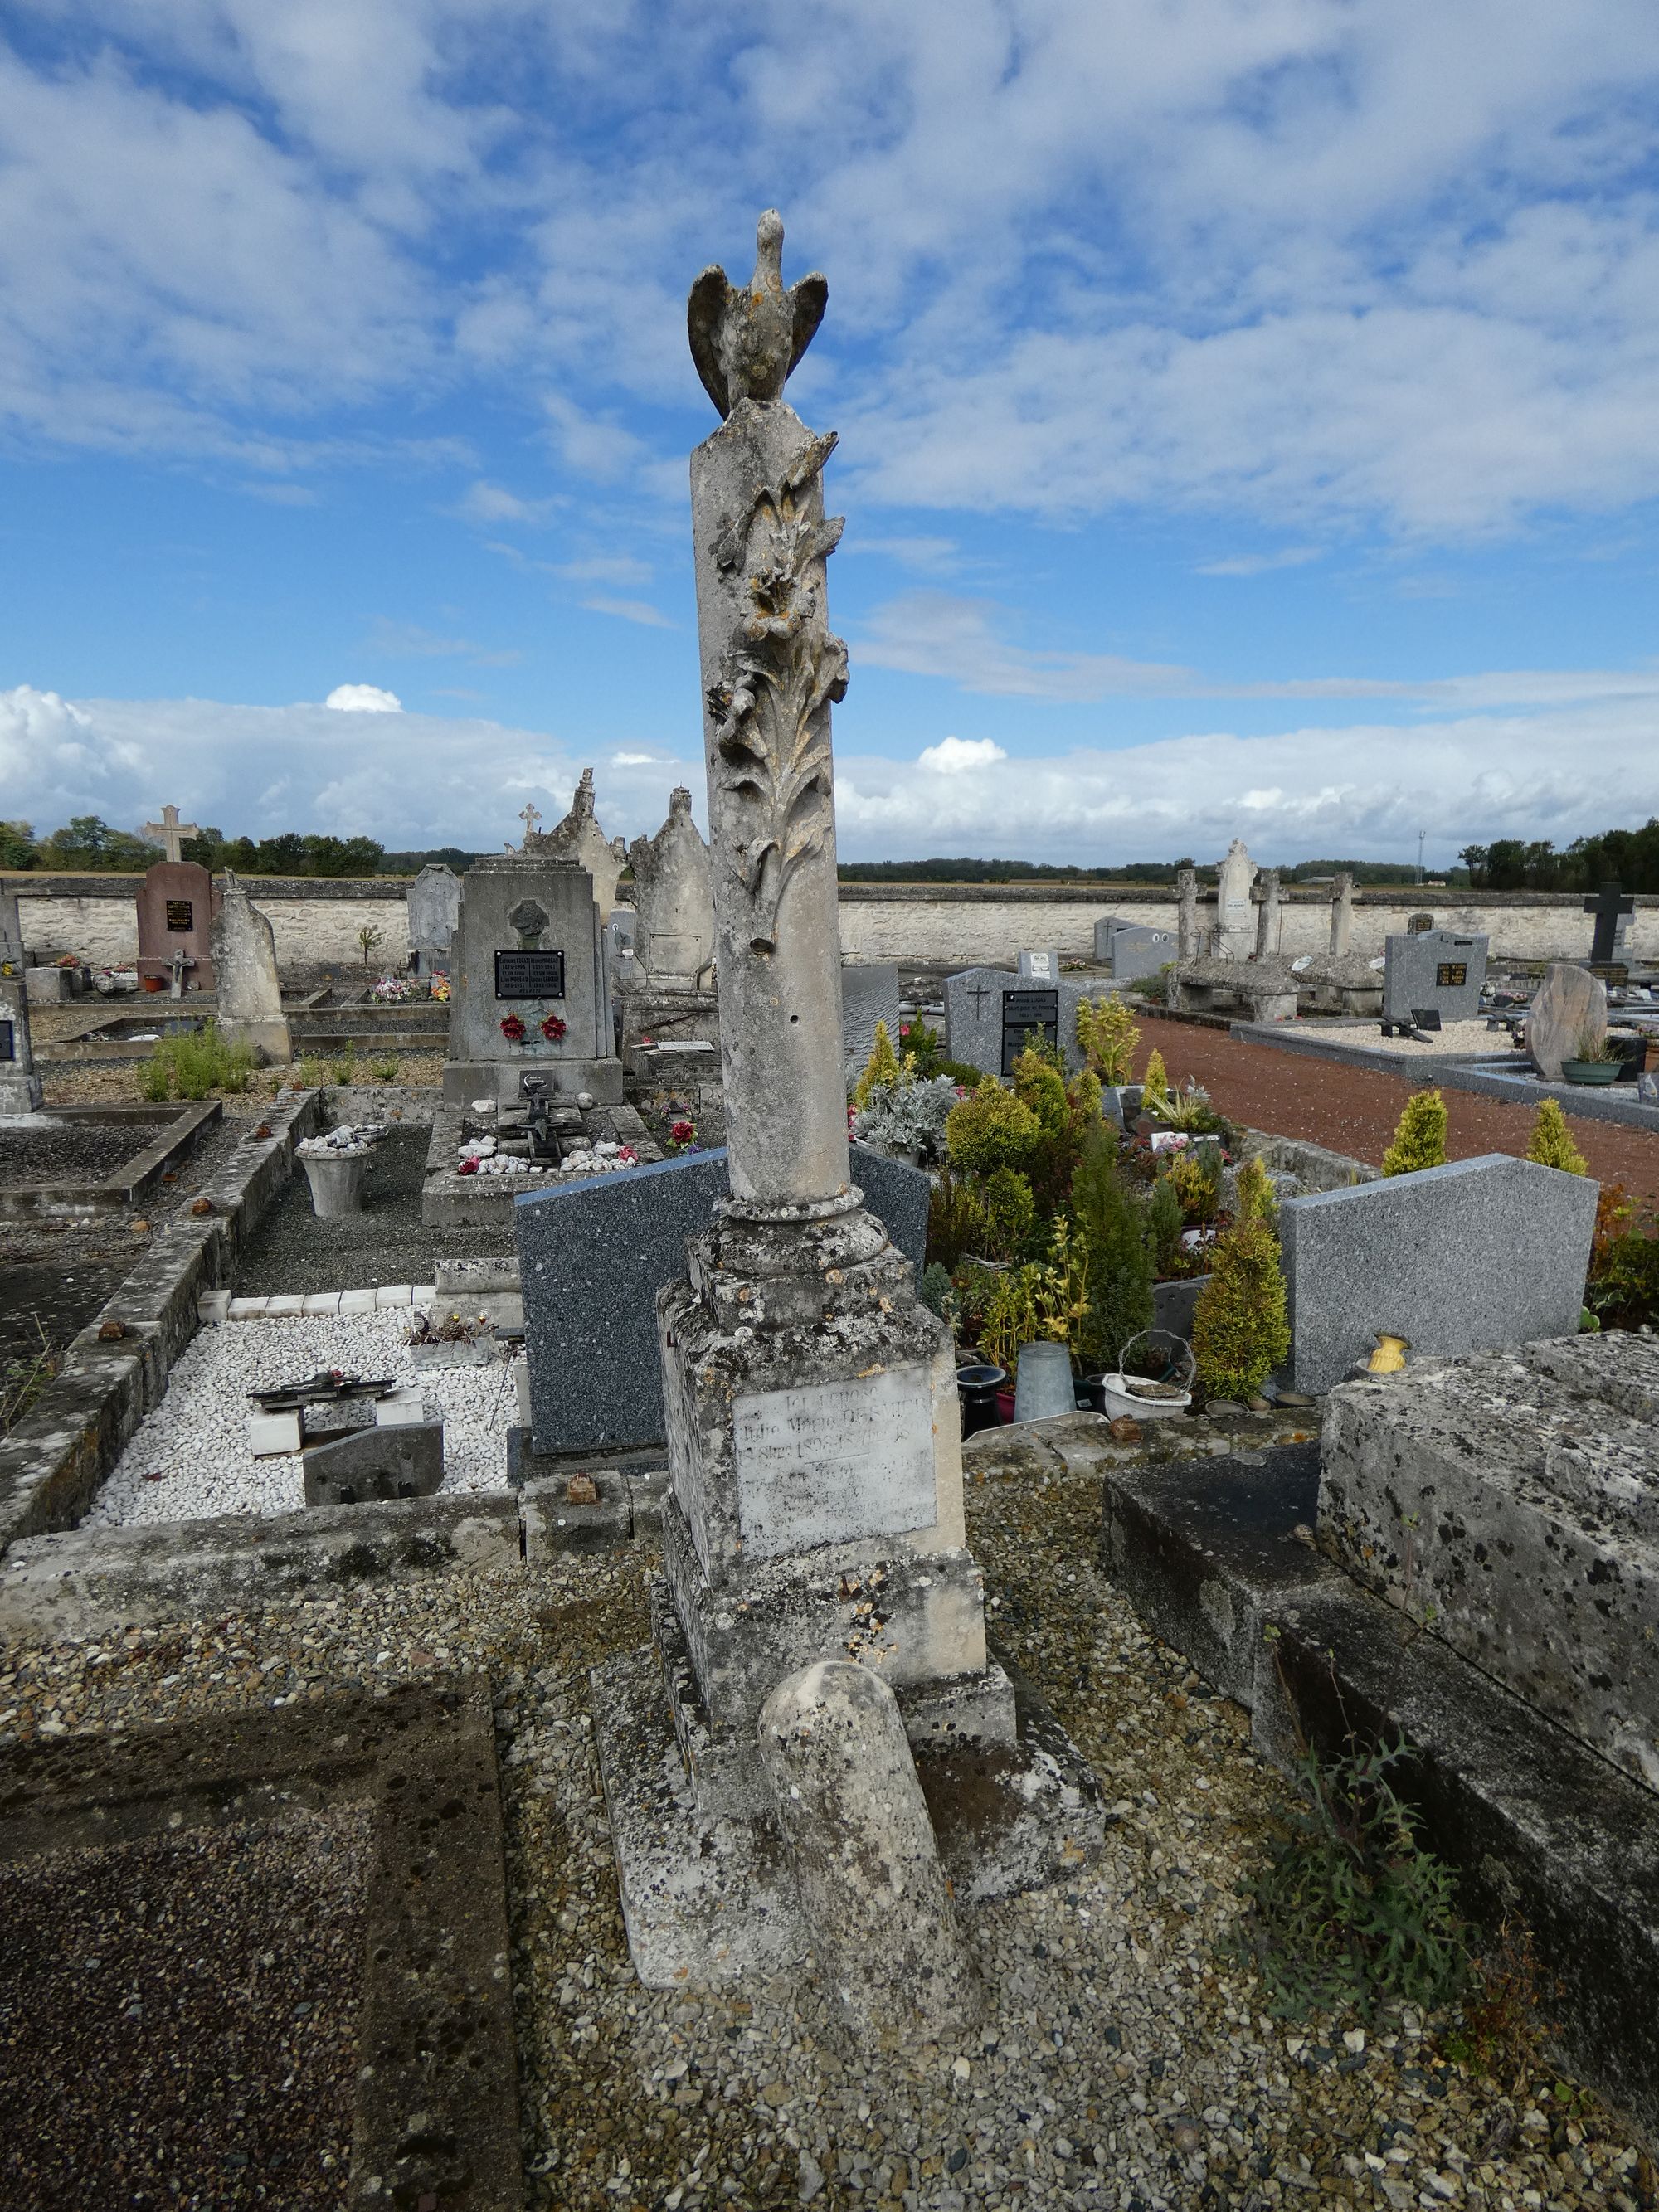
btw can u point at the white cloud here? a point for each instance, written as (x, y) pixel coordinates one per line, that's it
(635, 760)
(956, 755)
(486, 502)
(938, 634)
(364, 699)
(606, 569)
(632, 610)
(1260, 564)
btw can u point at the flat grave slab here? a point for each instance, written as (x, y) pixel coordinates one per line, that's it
(261, 1958)
(81, 1160)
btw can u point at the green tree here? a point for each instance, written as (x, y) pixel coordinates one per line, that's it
(881, 1070)
(17, 846)
(1552, 1145)
(1113, 1228)
(992, 1129)
(1240, 1333)
(1419, 1137)
(283, 855)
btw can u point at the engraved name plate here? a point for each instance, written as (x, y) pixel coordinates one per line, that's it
(835, 1461)
(181, 917)
(528, 974)
(8, 1048)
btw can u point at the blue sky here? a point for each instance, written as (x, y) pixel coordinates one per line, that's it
(1249, 410)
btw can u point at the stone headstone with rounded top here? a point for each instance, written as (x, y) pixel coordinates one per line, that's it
(1571, 1006)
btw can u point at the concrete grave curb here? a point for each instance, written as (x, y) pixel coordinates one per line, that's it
(180, 1126)
(436, 2114)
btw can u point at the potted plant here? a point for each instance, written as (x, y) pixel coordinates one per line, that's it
(1598, 1059)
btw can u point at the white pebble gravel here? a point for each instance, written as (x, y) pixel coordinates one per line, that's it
(190, 1457)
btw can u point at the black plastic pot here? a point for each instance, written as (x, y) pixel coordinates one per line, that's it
(977, 1389)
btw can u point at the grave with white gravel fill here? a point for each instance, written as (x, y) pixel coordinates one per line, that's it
(190, 1457)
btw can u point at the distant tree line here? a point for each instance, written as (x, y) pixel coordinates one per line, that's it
(1629, 858)
(87, 845)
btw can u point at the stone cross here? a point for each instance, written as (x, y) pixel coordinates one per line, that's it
(171, 832)
(1607, 906)
(1341, 912)
(530, 817)
(1266, 915)
(1186, 914)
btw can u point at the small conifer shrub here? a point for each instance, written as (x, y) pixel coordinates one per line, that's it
(1419, 1137)
(993, 1129)
(1155, 1084)
(881, 1070)
(1552, 1145)
(1240, 1333)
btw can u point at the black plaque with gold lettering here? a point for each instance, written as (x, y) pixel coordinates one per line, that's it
(530, 974)
(1451, 974)
(181, 917)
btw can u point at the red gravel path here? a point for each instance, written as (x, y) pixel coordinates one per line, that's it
(1354, 1110)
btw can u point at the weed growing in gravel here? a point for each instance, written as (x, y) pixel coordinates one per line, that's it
(344, 1069)
(1351, 1909)
(311, 1072)
(385, 1070)
(193, 1066)
(21, 1381)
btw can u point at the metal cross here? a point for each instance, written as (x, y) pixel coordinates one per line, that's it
(1607, 906)
(171, 832)
(529, 817)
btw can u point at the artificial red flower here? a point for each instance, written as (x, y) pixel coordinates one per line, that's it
(553, 1028)
(682, 1132)
(512, 1028)
(467, 1167)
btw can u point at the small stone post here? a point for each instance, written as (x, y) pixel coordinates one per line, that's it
(1186, 915)
(1341, 914)
(1266, 916)
(864, 1855)
(20, 1086)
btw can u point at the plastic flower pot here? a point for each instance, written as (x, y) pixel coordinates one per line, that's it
(1592, 1071)
(1005, 1406)
(981, 1388)
(337, 1184)
(1142, 1400)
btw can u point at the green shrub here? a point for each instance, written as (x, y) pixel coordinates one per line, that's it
(992, 1129)
(385, 1070)
(1164, 1222)
(196, 1064)
(1239, 1334)
(1155, 1084)
(1010, 1214)
(1113, 1225)
(1256, 1200)
(1195, 1176)
(1623, 1290)
(960, 1072)
(311, 1072)
(1419, 1137)
(881, 1070)
(923, 1046)
(1351, 1909)
(1552, 1145)
(956, 1219)
(344, 1069)
(1107, 1032)
(156, 1075)
(937, 1295)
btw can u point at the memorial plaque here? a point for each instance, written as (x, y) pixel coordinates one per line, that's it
(1452, 975)
(530, 974)
(7, 1042)
(832, 1462)
(1023, 1012)
(181, 917)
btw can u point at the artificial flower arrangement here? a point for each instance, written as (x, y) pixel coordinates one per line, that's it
(553, 1028)
(512, 1028)
(394, 990)
(441, 988)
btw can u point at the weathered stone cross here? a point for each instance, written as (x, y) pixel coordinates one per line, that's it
(529, 817)
(171, 832)
(1607, 906)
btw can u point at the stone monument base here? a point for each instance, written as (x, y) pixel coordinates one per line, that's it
(706, 1892)
(19, 1094)
(467, 1079)
(271, 1042)
(667, 1013)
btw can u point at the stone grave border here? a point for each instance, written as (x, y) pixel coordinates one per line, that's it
(452, 1200)
(134, 1179)
(1217, 1558)
(436, 2086)
(1488, 1079)
(87, 1040)
(53, 1461)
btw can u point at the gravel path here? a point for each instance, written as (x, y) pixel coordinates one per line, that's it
(1354, 1111)
(191, 1455)
(1127, 2063)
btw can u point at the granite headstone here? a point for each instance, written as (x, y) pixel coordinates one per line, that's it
(1569, 1006)
(1475, 1257)
(592, 1256)
(1130, 950)
(1434, 971)
(178, 904)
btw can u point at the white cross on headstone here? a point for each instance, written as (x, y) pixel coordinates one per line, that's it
(171, 831)
(529, 817)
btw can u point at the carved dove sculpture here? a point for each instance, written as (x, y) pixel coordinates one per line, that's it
(746, 340)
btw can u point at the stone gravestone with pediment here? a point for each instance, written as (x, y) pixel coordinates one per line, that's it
(669, 997)
(1235, 916)
(177, 905)
(434, 906)
(528, 990)
(579, 840)
(20, 1086)
(1432, 971)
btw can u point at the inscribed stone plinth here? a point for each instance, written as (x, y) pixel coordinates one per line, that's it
(435, 907)
(20, 1086)
(401, 1460)
(869, 994)
(176, 905)
(1434, 971)
(1512, 1500)
(1485, 1253)
(593, 1255)
(529, 950)
(1570, 1005)
(244, 960)
(1129, 949)
(1235, 916)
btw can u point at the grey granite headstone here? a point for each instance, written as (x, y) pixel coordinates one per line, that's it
(529, 950)
(1481, 1255)
(1129, 949)
(975, 1026)
(869, 994)
(592, 1256)
(1436, 970)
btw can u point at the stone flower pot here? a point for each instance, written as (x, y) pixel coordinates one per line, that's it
(337, 1185)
